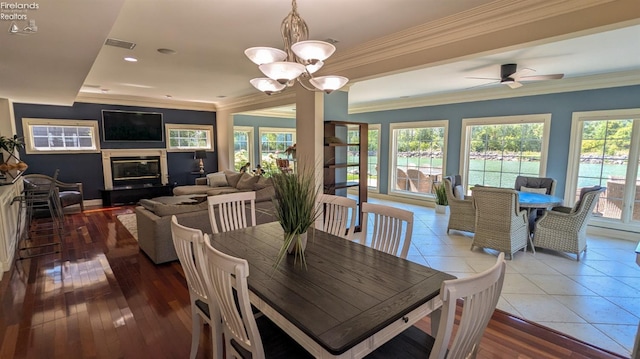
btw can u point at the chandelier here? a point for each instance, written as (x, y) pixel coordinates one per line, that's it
(297, 63)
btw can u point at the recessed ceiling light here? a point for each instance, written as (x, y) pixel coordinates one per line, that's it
(221, 96)
(166, 51)
(104, 90)
(130, 59)
(168, 96)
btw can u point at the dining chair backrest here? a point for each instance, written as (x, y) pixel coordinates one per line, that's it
(389, 223)
(226, 279)
(336, 211)
(480, 293)
(530, 184)
(188, 243)
(228, 212)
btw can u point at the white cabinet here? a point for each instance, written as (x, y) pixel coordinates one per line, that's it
(8, 224)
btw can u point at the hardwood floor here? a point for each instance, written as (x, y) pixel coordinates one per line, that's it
(102, 298)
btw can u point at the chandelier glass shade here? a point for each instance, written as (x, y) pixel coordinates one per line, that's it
(298, 62)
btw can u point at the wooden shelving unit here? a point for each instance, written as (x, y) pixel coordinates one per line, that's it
(339, 166)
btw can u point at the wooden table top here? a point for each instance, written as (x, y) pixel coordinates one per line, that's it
(348, 291)
(538, 200)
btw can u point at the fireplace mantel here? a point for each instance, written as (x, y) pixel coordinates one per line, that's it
(108, 154)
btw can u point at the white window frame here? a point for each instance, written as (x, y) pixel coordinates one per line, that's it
(250, 142)
(262, 130)
(208, 129)
(573, 162)
(27, 124)
(465, 133)
(393, 157)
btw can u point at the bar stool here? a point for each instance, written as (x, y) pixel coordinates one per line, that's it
(40, 196)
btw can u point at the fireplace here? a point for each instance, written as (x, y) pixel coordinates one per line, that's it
(134, 168)
(132, 171)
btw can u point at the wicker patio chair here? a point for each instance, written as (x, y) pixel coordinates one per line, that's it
(462, 214)
(419, 182)
(500, 224)
(564, 229)
(402, 180)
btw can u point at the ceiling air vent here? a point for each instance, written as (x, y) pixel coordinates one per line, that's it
(120, 43)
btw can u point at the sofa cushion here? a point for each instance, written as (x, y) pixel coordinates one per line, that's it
(263, 182)
(246, 182)
(221, 190)
(265, 194)
(232, 177)
(218, 179)
(190, 190)
(163, 210)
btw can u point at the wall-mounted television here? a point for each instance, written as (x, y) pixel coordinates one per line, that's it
(132, 126)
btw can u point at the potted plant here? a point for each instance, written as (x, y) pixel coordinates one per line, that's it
(441, 197)
(10, 144)
(296, 209)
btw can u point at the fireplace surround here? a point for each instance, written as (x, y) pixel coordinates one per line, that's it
(134, 168)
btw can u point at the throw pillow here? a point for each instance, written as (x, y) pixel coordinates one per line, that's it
(458, 192)
(533, 190)
(232, 177)
(247, 182)
(218, 179)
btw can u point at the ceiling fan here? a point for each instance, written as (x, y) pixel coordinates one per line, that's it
(512, 77)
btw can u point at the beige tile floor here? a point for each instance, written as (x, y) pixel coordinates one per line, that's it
(596, 299)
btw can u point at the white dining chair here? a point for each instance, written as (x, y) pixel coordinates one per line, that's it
(480, 293)
(231, 211)
(245, 336)
(336, 211)
(389, 223)
(188, 244)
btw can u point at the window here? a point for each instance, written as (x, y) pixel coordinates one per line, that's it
(60, 136)
(242, 146)
(187, 138)
(273, 144)
(373, 171)
(604, 152)
(498, 149)
(418, 156)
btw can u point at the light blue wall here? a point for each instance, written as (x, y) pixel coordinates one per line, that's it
(561, 106)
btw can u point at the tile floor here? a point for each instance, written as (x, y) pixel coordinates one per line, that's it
(596, 300)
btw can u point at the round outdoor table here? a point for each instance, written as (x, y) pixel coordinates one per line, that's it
(538, 200)
(531, 201)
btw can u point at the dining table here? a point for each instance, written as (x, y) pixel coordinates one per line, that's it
(344, 300)
(531, 201)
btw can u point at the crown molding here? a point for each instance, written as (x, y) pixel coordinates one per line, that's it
(619, 79)
(489, 18)
(257, 101)
(140, 101)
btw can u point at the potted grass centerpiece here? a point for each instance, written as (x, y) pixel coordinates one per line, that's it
(441, 197)
(296, 209)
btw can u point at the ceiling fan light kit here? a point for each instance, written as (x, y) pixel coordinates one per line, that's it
(298, 62)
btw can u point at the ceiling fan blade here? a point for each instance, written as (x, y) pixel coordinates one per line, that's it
(542, 77)
(483, 85)
(522, 72)
(483, 78)
(514, 85)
